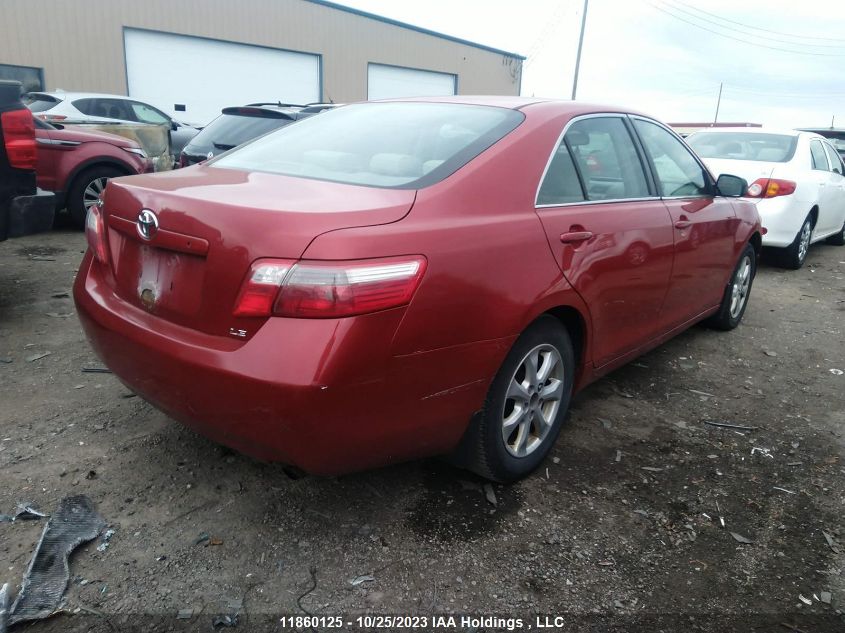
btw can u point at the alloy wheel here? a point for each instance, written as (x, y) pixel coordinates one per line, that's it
(804, 241)
(740, 287)
(533, 400)
(92, 192)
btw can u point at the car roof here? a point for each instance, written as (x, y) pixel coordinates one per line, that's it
(563, 106)
(78, 95)
(753, 130)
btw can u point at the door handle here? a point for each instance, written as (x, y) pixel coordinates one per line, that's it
(575, 236)
(683, 224)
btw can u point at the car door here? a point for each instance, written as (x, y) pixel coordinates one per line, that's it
(824, 179)
(704, 224)
(610, 234)
(837, 188)
(47, 156)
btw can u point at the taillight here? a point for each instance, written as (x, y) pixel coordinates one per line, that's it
(323, 290)
(770, 188)
(19, 138)
(95, 233)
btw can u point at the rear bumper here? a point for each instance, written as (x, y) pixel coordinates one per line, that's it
(28, 214)
(782, 217)
(323, 395)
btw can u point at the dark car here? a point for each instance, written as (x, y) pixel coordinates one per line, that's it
(237, 125)
(24, 208)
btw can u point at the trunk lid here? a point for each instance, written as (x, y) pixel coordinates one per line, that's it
(751, 170)
(212, 224)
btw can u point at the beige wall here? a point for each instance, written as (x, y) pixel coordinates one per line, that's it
(79, 43)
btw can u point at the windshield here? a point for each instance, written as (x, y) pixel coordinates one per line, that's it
(770, 148)
(401, 145)
(39, 103)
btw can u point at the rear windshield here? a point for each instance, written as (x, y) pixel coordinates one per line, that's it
(230, 130)
(398, 145)
(771, 148)
(39, 103)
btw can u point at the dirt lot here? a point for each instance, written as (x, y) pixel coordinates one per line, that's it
(620, 529)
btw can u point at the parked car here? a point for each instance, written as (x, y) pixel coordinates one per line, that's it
(796, 180)
(76, 164)
(392, 280)
(836, 137)
(237, 125)
(24, 208)
(89, 107)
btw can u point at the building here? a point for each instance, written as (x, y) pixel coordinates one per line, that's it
(193, 57)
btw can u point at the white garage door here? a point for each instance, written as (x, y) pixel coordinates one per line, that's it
(387, 82)
(205, 76)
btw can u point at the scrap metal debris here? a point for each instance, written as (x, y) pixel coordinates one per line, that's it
(96, 370)
(791, 492)
(359, 580)
(726, 425)
(830, 542)
(806, 601)
(836, 372)
(741, 539)
(765, 452)
(37, 356)
(105, 540)
(230, 619)
(76, 521)
(184, 614)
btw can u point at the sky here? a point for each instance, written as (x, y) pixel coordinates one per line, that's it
(781, 63)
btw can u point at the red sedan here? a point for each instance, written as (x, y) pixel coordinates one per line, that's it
(393, 280)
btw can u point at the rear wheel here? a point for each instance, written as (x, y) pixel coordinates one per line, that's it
(838, 239)
(735, 298)
(525, 405)
(86, 189)
(795, 254)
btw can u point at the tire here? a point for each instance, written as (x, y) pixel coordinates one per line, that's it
(794, 255)
(837, 239)
(735, 298)
(85, 185)
(486, 449)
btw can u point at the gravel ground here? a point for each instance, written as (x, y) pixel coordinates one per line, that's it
(619, 528)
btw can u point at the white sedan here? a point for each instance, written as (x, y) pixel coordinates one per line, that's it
(796, 177)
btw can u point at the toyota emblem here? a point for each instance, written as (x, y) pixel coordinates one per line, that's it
(147, 224)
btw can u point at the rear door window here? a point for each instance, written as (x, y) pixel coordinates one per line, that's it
(834, 159)
(40, 103)
(86, 106)
(147, 114)
(818, 156)
(601, 151)
(678, 172)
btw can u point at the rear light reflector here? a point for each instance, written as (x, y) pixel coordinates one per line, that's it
(19, 138)
(328, 290)
(95, 233)
(261, 287)
(770, 188)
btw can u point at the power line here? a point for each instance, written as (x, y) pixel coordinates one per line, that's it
(733, 28)
(731, 37)
(760, 28)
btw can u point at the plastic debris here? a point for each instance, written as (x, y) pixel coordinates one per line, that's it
(224, 621)
(830, 542)
(28, 511)
(806, 601)
(652, 469)
(791, 492)
(739, 538)
(701, 393)
(105, 540)
(76, 521)
(824, 596)
(765, 452)
(202, 539)
(618, 455)
(358, 580)
(6, 518)
(184, 614)
(4, 607)
(490, 495)
(837, 372)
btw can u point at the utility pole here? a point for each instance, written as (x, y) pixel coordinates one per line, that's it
(718, 103)
(580, 46)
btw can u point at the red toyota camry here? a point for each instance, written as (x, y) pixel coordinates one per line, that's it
(399, 279)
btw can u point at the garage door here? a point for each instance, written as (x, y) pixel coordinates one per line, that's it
(170, 71)
(387, 82)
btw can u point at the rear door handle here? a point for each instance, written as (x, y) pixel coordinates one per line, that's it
(683, 224)
(575, 236)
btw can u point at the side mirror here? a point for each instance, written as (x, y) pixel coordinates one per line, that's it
(731, 186)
